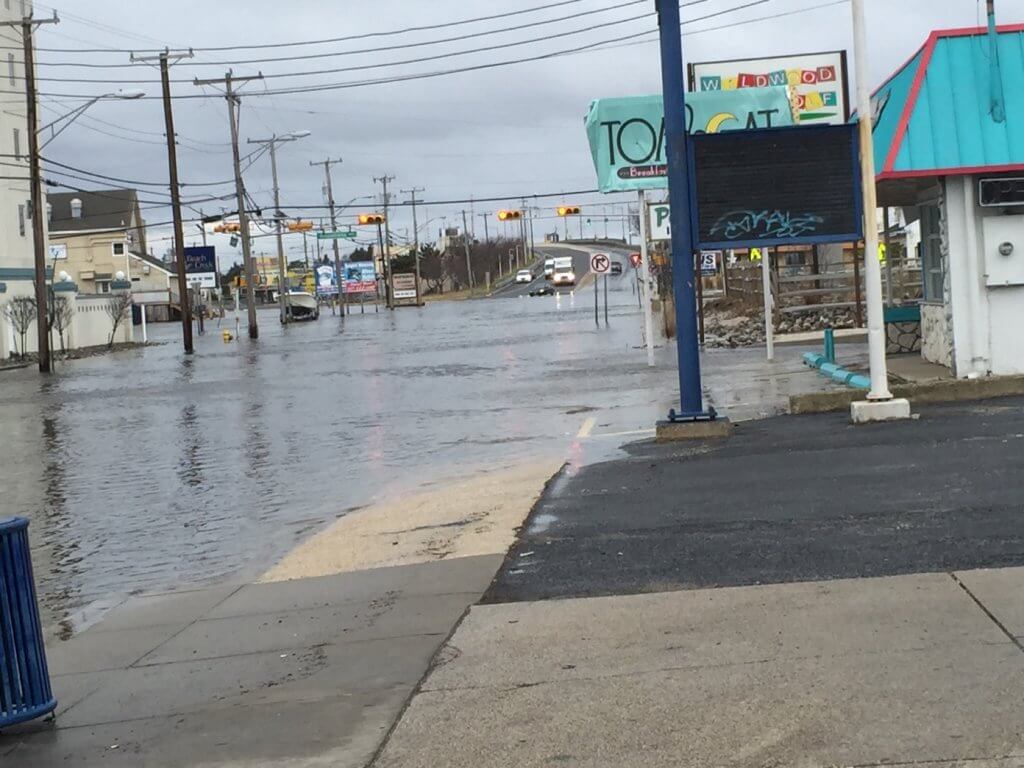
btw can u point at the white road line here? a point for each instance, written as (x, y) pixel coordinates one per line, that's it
(586, 428)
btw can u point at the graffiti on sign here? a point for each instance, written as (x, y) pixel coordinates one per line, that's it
(765, 224)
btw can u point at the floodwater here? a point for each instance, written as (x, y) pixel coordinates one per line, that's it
(146, 470)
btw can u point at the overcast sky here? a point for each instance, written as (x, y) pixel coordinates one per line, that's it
(503, 131)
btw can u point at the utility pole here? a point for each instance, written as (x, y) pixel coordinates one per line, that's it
(875, 407)
(228, 81)
(36, 188)
(334, 228)
(386, 251)
(415, 236)
(527, 253)
(465, 243)
(532, 255)
(184, 304)
(487, 236)
(282, 267)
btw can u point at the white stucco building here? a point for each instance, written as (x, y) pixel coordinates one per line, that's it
(16, 254)
(949, 144)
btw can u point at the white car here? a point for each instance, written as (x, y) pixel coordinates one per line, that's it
(524, 276)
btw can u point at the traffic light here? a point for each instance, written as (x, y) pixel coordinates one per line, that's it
(228, 227)
(568, 210)
(300, 226)
(509, 215)
(371, 218)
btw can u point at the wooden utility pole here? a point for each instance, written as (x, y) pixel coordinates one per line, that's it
(184, 304)
(465, 243)
(36, 188)
(386, 248)
(228, 81)
(334, 228)
(415, 236)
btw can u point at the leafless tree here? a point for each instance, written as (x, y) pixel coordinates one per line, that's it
(21, 313)
(62, 314)
(117, 310)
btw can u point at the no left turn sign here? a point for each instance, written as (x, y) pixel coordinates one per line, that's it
(600, 263)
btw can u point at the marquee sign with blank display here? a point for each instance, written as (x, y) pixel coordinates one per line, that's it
(784, 186)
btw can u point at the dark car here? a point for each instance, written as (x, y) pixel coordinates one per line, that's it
(616, 268)
(544, 290)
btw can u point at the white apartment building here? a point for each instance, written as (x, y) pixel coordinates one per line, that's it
(16, 254)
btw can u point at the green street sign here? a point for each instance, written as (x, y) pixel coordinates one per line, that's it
(350, 235)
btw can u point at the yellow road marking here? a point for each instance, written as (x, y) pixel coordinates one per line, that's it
(587, 428)
(626, 434)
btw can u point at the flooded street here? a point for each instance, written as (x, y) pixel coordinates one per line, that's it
(145, 470)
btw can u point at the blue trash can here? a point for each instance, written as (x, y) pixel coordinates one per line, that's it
(25, 692)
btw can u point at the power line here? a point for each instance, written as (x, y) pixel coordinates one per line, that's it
(438, 73)
(363, 36)
(435, 57)
(135, 181)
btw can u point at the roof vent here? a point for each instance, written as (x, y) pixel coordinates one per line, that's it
(76, 208)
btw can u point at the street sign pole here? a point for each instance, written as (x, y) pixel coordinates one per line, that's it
(597, 320)
(643, 272)
(606, 299)
(690, 392)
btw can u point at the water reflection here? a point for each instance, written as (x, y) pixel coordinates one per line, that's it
(146, 470)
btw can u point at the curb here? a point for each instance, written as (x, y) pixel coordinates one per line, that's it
(947, 391)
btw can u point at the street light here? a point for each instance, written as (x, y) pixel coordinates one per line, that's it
(272, 143)
(129, 95)
(36, 192)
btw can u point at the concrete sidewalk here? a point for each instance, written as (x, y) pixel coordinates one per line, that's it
(806, 593)
(922, 670)
(310, 672)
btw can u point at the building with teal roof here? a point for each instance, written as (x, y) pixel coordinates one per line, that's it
(949, 150)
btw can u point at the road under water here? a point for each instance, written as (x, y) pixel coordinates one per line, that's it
(146, 470)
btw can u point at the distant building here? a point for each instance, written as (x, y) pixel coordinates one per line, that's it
(98, 230)
(95, 235)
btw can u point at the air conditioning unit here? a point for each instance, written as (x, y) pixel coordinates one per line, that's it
(1000, 192)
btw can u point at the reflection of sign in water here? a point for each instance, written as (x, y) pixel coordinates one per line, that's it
(817, 80)
(777, 187)
(325, 282)
(201, 265)
(405, 286)
(627, 135)
(360, 277)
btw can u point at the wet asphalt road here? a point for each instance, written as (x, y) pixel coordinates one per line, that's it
(145, 470)
(788, 499)
(581, 265)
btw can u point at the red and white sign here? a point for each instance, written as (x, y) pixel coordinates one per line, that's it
(600, 263)
(634, 259)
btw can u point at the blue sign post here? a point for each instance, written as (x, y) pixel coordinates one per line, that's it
(680, 192)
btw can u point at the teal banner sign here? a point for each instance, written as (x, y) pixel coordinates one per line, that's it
(627, 135)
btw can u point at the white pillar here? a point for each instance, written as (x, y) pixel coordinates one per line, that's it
(872, 271)
(644, 273)
(142, 309)
(769, 302)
